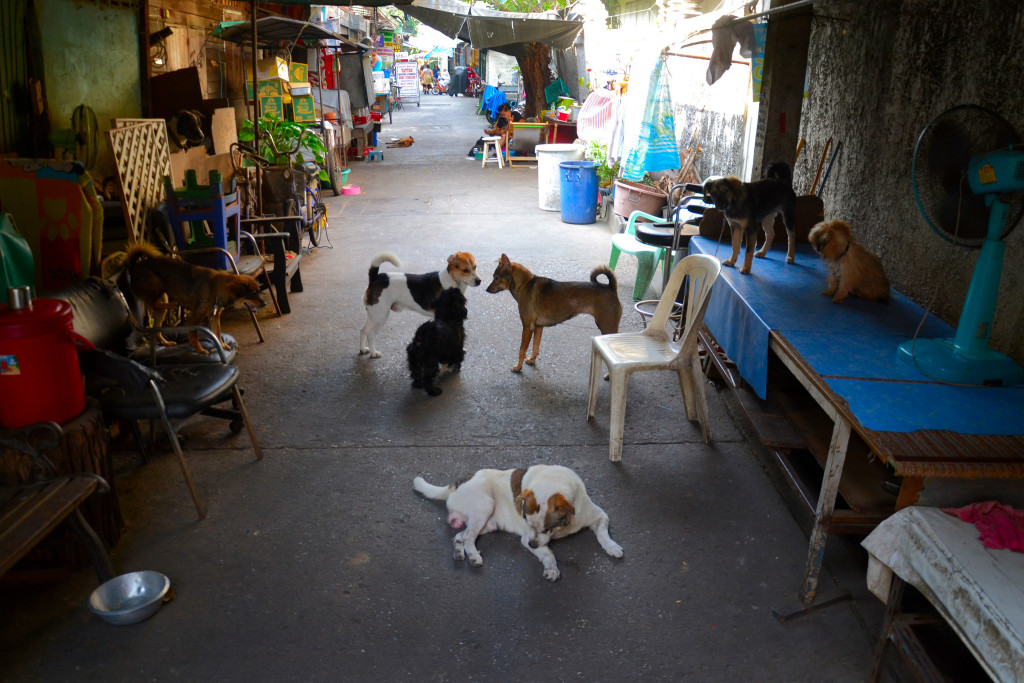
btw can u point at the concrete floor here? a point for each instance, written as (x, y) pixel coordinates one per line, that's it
(321, 563)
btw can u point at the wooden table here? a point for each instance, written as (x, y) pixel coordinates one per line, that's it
(844, 358)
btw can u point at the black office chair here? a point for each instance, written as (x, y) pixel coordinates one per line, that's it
(130, 391)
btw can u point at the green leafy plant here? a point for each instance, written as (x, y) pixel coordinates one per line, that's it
(606, 173)
(277, 137)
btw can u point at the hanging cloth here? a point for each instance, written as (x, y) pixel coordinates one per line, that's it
(597, 116)
(656, 148)
(555, 90)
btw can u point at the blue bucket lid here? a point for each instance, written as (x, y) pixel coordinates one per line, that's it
(577, 164)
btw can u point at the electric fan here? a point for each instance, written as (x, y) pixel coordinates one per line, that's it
(966, 170)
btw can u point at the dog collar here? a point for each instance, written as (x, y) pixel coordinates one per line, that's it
(844, 251)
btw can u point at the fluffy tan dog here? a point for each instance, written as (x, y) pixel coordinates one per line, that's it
(852, 269)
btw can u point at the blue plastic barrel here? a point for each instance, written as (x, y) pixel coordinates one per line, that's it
(578, 185)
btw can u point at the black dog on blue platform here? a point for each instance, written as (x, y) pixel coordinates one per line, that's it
(439, 342)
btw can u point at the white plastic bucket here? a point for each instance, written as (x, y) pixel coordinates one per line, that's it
(549, 189)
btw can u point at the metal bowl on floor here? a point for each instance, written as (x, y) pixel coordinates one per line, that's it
(130, 598)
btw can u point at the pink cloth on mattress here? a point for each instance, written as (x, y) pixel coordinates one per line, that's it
(1000, 525)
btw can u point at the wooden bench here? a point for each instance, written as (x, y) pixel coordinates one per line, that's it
(30, 511)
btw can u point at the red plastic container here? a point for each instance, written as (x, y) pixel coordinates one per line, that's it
(359, 120)
(39, 374)
(375, 115)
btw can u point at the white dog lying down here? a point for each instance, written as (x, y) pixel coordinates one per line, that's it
(541, 503)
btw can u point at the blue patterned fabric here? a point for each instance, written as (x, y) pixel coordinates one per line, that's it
(656, 149)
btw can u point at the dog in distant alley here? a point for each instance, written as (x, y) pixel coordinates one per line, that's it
(163, 283)
(544, 302)
(749, 205)
(539, 504)
(401, 142)
(404, 292)
(852, 269)
(439, 342)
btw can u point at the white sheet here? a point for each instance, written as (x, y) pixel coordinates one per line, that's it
(979, 591)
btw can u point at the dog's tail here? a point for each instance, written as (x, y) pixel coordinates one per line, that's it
(430, 491)
(607, 272)
(779, 170)
(139, 251)
(383, 257)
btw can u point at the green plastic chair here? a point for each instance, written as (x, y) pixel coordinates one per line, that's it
(647, 257)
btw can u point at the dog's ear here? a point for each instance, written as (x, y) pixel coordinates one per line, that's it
(452, 258)
(504, 261)
(526, 503)
(560, 511)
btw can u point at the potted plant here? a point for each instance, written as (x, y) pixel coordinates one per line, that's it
(286, 145)
(606, 172)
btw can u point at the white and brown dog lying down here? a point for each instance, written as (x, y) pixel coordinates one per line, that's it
(406, 292)
(540, 504)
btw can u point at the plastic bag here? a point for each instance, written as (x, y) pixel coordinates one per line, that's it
(17, 267)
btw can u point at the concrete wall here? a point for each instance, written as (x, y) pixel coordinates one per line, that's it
(89, 58)
(711, 115)
(878, 73)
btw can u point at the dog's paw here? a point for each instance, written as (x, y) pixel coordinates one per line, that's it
(729, 262)
(375, 354)
(460, 550)
(745, 271)
(475, 560)
(517, 368)
(791, 259)
(761, 254)
(434, 391)
(531, 361)
(551, 574)
(614, 549)
(363, 350)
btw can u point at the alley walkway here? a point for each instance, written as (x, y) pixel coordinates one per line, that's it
(320, 563)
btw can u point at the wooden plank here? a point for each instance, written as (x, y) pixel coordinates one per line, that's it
(223, 130)
(29, 518)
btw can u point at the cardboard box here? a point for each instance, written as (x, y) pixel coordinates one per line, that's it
(302, 109)
(272, 106)
(299, 89)
(268, 88)
(298, 73)
(271, 67)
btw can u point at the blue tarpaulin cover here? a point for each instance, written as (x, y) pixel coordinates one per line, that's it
(852, 346)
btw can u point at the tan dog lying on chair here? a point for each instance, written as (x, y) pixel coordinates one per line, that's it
(544, 302)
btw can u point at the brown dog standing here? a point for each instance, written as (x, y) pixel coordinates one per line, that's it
(544, 302)
(203, 292)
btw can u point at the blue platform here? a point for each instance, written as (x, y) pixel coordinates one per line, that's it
(852, 346)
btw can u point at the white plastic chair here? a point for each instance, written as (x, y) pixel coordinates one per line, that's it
(656, 349)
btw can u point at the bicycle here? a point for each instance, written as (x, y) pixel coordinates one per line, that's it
(282, 184)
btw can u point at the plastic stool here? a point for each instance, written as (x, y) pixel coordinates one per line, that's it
(492, 143)
(375, 154)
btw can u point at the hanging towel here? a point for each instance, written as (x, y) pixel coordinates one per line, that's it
(1000, 525)
(724, 36)
(656, 148)
(555, 90)
(597, 116)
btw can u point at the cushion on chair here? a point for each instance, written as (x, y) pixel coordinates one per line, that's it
(188, 389)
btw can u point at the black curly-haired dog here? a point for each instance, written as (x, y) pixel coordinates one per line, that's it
(438, 342)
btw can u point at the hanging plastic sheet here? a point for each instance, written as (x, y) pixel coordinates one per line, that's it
(655, 148)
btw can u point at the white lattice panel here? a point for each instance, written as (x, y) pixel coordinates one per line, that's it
(142, 159)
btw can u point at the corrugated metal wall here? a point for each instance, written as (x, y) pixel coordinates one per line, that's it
(14, 103)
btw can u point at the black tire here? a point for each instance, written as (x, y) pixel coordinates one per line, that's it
(334, 170)
(311, 218)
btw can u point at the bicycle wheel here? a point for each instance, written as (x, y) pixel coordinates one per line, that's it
(315, 212)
